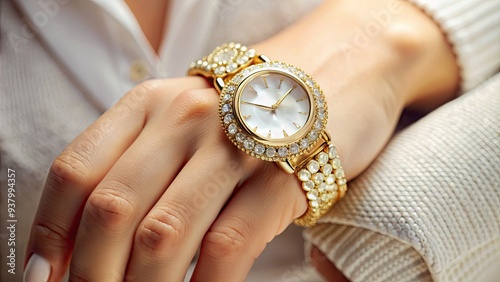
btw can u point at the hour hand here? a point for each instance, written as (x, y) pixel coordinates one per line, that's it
(257, 105)
(275, 105)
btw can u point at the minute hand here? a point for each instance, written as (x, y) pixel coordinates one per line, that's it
(257, 105)
(275, 105)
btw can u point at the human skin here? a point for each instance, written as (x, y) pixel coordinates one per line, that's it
(118, 202)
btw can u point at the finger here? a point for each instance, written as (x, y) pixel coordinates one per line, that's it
(72, 177)
(133, 185)
(169, 236)
(119, 202)
(262, 209)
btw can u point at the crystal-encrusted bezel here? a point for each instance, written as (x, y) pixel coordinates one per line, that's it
(317, 126)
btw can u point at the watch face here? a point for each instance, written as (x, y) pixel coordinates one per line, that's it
(273, 111)
(274, 106)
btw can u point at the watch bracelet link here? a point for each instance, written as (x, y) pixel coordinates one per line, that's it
(323, 181)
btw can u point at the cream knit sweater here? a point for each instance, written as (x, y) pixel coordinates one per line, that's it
(428, 208)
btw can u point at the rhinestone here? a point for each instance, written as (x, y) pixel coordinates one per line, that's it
(231, 67)
(192, 65)
(326, 197)
(313, 166)
(243, 48)
(316, 92)
(282, 152)
(231, 88)
(321, 113)
(322, 187)
(250, 53)
(330, 179)
(226, 97)
(240, 137)
(232, 128)
(219, 70)
(339, 173)
(327, 169)
(313, 136)
(308, 185)
(304, 175)
(270, 152)
(336, 163)
(304, 143)
(322, 158)
(318, 124)
(237, 45)
(248, 144)
(259, 149)
(312, 195)
(332, 151)
(226, 108)
(225, 56)
(321, 103)
(199, 62)
(301, 75)
(309, 82)
(318, 178)
(241, 60)
(341, 181)
(237, 79)
(314, 204)
(228, 118)
(331, 187)
(294, 148)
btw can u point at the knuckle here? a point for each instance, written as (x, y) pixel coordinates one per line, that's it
(163, 229)
(70, 167)
(194, 105)
(227, 240)
(142, 93)
(109, 210)
(51, 237)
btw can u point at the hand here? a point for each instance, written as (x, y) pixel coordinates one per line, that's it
(152, 179)
(275, 105)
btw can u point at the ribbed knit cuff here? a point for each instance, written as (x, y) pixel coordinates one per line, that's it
(472, 29)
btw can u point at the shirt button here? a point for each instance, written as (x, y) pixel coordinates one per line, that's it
(138, 71)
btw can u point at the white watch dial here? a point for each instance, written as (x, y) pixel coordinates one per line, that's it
(274, 106)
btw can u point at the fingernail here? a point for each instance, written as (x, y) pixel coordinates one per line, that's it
(37, 269)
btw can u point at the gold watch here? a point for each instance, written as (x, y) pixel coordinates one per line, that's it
(276, 112)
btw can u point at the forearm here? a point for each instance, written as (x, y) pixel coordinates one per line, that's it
(373, 58)
(342, 38)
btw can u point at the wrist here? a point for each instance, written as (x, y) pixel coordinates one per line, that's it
(427, 73)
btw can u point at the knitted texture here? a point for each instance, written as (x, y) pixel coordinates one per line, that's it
(432, 196)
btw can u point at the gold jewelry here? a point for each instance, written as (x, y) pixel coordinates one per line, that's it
(276, 112)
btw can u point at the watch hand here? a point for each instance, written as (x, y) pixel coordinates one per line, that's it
(275, 105)
(257, 105)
